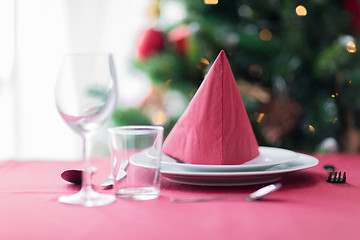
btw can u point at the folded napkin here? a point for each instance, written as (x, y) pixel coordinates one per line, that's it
(215, 128)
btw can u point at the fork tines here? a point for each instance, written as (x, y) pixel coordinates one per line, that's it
(336, 177)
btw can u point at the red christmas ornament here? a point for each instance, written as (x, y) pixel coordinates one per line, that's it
(149, 42)
(353, 7)
(179, 36)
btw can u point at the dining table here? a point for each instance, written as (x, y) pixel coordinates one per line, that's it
(306, 207)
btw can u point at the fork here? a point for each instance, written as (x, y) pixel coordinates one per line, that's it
(336, 177)
(108, 183)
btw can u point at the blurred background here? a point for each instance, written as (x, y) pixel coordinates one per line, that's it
(296, 64)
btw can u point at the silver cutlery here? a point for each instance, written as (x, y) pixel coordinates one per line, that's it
(336, 177)
(110, 181)
(257, 195)
(121, 174)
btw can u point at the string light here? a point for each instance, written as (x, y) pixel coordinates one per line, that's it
(301, 11)
(204, 61)
(211, 1)
(351, 46)
(259, 117)
(159, 118)
(311, 128)
(265, 35)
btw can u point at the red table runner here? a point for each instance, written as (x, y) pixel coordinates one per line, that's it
(306, 207)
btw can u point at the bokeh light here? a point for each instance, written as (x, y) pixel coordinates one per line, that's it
(204, 61)
(301, 11)
(311, 128)
(351, 46)
(159, 118)
(259, 117)
(265, 35)
(211, 1)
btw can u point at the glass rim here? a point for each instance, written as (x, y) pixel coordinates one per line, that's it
(136, 129)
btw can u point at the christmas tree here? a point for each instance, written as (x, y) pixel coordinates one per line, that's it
(296, 65)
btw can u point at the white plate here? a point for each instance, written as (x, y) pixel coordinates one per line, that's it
(268, 157)
(241, 178)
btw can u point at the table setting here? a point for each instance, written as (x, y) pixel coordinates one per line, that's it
(191, 154)
(228, 154)
(208, 179)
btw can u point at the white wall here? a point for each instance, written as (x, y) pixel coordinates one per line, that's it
(7, 97)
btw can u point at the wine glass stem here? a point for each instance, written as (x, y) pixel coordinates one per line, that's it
(86, 178)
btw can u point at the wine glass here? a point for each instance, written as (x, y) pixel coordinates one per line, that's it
(86, 95)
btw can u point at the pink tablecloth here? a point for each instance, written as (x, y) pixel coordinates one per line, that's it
(305, 208)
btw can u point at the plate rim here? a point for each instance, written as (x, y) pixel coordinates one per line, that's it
(226, 168)
(313, 162)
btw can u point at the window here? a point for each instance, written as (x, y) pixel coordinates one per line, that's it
(31, 127)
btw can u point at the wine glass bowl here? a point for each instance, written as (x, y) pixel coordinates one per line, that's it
(85, 91)
(86, 95)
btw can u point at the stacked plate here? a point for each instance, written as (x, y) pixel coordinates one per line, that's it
(269, 166)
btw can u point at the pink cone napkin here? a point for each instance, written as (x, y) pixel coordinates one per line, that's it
(215, 128)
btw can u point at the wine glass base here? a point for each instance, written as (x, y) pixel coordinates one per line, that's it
(88, 198)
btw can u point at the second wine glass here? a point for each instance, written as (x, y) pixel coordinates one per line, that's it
(86, 95)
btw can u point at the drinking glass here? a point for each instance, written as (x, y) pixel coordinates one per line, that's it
(86, 95)
(140, 147)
